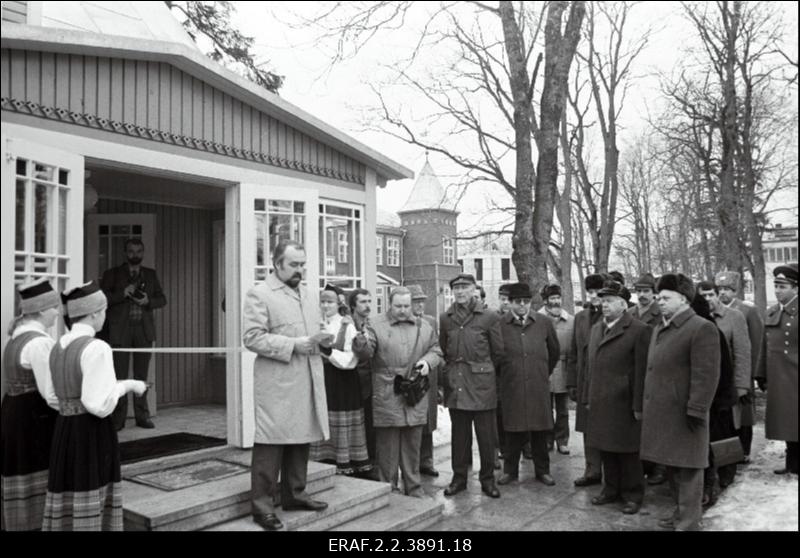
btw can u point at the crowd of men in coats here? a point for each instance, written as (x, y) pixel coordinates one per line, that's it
(656, 385)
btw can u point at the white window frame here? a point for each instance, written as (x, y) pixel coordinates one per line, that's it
(449, 250)
(379, 249)
(380, 299)
(448, 296)
(392, 251)
(341, 246)
(355, 250)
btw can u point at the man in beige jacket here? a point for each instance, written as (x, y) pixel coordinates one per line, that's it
(281, 325)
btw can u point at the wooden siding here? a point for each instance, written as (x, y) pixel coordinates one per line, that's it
(159, 102)
(183, 264)
(15, 12)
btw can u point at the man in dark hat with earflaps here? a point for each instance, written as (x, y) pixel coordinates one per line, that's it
(780, 377)
(683, 369)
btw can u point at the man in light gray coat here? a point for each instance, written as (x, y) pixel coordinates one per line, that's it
(402, 345)
(281, 325)
(564, 324)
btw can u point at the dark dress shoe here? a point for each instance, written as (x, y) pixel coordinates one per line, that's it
(145, 423)
(630, 508)
(453, 489)
(587, 481)
(506, 479)
(546, 479)
(783, 471)
(268, 522)
(656, 478)
(603, 499)
(430, 471)
(313, 505)
(563, 450)
(491, 491)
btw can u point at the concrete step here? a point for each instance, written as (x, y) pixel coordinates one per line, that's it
(348, 499)
(148, 508)
(402, 514)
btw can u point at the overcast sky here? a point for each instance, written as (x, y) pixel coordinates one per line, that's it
(339, 96)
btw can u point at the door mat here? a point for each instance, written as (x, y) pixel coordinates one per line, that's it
(168, 444)
(190, 474)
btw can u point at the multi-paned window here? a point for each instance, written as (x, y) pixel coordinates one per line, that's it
(449, 250)
(478, 269)
(448, 296)
(341, 245)
(276, 220)
(392, 251)
(505, 269)
(379, 250)
(380, 294)
(40, 245)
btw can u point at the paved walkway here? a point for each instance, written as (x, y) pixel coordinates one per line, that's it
(757, 501)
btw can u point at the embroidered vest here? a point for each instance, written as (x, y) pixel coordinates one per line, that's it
(20, 380)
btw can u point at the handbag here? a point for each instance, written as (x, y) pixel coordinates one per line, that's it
(414, 387)
(727, 451)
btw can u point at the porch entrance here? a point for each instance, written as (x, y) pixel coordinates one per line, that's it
(181, 224)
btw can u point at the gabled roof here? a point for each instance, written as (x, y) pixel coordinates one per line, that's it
(189, 59)
(427, 193)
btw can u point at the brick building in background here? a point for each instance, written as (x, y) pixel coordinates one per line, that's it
(418, 245)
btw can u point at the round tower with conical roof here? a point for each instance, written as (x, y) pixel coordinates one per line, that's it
(430, 256)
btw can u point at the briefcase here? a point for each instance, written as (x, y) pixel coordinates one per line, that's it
(727, 451)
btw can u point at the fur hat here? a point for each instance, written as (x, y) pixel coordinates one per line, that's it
(551, 290)
(729, 279)
(519, 290)
(84, 300)
(615, 288)
(503, 290)
(677, 282)
(594, 281)
(617, 276)
(37, 296)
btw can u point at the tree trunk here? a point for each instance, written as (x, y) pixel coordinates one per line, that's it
(565, 218)
(559, 53)
(528, 257)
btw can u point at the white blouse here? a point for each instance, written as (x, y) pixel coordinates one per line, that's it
(344, 360)
(100, 389)
(35, 355)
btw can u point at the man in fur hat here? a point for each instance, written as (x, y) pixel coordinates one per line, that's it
(683, 368)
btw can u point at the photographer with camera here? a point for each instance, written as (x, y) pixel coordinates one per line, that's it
(133, 292)
(404, 351)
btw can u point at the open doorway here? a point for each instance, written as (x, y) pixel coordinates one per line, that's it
(181, 222)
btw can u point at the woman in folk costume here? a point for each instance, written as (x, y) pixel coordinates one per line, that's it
(347, 445)
(28, 417)
(84, 490)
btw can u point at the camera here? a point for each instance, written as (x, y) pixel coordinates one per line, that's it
(139, 292)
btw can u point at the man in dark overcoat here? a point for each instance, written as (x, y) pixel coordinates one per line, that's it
(531, 352)
(617, 359)
(470, 338)
(133, 292)
(648, 311)
(781, 369)
(576, 374)
(744, 412)
(683, 368)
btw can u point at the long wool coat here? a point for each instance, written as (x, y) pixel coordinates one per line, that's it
(472, 351)
(531, 352)
(616, 368)
(781, 372)
(289, 388)
(683, 367)
(565, 327)
(652, 316)
(576, 361)
(394, 353)
(758, 355)
(733, 325)
(433, 403)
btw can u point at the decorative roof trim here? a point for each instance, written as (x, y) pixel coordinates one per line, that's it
(92, 121)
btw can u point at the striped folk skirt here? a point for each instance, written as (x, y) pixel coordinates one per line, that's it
(84, 490)
(347, 445)
(27, 430)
